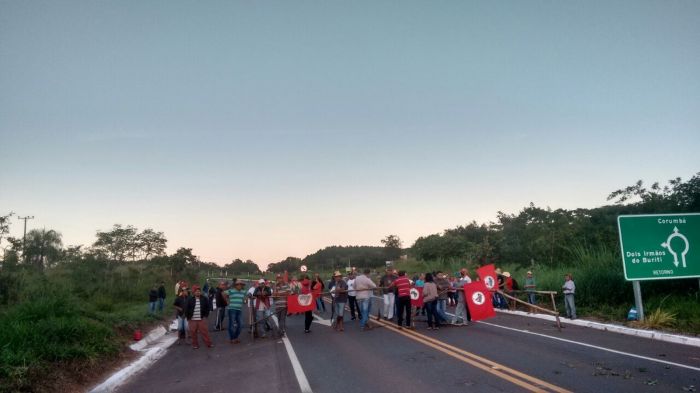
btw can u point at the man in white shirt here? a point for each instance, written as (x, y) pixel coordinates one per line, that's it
(461, 310)
(352, 299)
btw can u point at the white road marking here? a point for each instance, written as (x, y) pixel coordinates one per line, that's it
(594, 346)
(322, 321)
(298, 371)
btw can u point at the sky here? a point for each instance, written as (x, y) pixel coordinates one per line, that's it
(266, 129)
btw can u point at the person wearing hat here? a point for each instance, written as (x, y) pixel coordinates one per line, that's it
(530, 288)
(461, 310)
(262, 297)
(235, 297)
(197, 313)
(340, 290)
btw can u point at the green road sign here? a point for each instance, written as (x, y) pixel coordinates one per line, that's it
(660, 246)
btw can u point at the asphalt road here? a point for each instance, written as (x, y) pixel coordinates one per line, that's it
(504, 354)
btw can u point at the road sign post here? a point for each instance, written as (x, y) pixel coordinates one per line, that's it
(659, 247)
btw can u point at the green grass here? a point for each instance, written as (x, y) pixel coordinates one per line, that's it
(54, 329)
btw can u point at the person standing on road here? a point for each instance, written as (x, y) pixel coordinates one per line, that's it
(152, 299)
(161, 296)
(317, 288)
(388, 294)
(220, 305)
(352, 299)
(569, 288)
(443, 287)
(180, 306)
(262, 296)
(461, 311)
(282, 290)
(430, 296)
(341, 298)
(364, 287)
(403, 299)
(305, 290)
(197, 313)
(530, 286)
(236, 297)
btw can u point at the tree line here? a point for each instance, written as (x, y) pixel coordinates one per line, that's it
(551, 237)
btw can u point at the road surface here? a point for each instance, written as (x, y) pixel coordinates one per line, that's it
(507, 353)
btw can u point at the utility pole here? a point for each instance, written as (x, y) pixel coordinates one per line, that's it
(24, 238)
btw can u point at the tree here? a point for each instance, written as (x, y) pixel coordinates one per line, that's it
(237, 266)
(181, 259)
(151, 243)
(5, 228)
(117, 244)
(289, 264)
(392, 247)
(44, 248)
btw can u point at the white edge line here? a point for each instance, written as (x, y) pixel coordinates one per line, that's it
(650, 334)
(121, 376)
(298, 371)
(594, 346)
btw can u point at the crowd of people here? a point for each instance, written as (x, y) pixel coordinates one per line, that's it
(355, 291)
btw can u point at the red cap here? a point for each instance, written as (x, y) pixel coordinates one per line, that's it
(195, 287)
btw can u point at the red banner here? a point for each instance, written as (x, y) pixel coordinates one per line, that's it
(417, 297)
(479, 301)
(300, 303)
(487, 275)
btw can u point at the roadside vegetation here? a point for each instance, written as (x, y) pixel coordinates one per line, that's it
(67, 310)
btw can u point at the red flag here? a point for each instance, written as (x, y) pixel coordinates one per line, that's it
(479, 301)
(417, 297)
(300, 303)
(487, 274)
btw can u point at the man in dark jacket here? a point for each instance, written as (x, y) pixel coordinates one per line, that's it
(152, 299)
(220, 306)
(161, 296)
(197, 313)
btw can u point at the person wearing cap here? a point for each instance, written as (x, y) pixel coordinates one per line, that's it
(262, 296)
(530, 286)
(282, 290)
(197, 313)
(388, 293)
(340, 289)
(235, 297)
